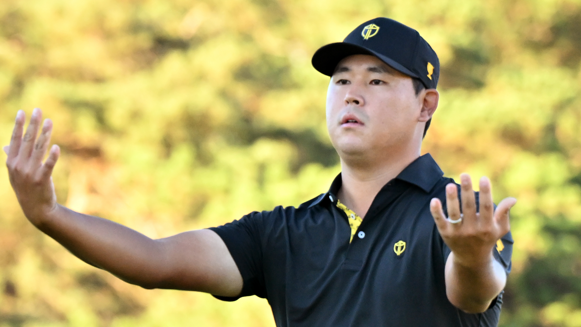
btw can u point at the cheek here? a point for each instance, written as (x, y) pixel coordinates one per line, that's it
(332, 93)
(329, 114)
(328, 111)
(400, 106)
(333, 97)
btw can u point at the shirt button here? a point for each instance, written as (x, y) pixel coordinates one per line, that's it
(331, 198)
(361, 234)
(352, 216)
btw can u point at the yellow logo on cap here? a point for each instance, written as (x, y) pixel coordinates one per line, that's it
(369, 31)
(430, 70)
(399, 247)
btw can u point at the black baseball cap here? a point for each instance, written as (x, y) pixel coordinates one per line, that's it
(397, 45)
(394, 43)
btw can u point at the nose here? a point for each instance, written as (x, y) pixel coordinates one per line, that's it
(353, 97)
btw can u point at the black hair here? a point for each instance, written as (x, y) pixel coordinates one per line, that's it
(418, 85)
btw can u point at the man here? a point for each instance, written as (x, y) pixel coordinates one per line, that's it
(378, 249)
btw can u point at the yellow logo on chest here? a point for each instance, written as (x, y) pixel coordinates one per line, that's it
(399, 247)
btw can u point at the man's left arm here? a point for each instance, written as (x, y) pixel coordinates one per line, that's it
(474, 278)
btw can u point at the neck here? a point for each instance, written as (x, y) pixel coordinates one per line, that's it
(362, 182)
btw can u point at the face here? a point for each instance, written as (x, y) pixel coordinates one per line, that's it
(371, 107)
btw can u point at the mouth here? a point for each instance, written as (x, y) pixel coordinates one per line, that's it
(350, 119)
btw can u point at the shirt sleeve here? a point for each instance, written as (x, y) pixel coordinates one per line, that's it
(243, 239)
(503, 251)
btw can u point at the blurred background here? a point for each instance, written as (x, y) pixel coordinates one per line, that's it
(175, 115)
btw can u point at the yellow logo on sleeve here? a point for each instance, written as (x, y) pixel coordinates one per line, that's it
(369, 31)
(399, 247)
(499, 246)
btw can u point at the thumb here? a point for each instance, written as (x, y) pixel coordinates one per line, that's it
(6, 148)
(502, 213)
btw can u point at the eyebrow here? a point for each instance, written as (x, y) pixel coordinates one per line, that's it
(373, 69)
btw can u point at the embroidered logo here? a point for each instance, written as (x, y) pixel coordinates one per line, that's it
(369, 31)
(430, 70)
(399, 247)
(499, 246)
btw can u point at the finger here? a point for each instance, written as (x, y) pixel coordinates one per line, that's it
(50, 162)
(16, 139)
(31, 132)
(6, 149)
(42, 143)
(468, 199)
(486, 210)
(502, 213)
(438, 214)
(452, 201)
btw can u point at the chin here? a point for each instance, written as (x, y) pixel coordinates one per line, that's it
(351, 150)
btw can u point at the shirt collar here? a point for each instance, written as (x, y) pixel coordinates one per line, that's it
(331, 195)
(423, 172)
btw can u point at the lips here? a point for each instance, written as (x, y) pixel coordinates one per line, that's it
(349, 119)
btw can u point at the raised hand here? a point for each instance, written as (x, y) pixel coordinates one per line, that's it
(29, 176)
(472, 238)
(129, 255)
(473, 277)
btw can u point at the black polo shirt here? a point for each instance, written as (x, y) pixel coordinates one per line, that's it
(391, 274)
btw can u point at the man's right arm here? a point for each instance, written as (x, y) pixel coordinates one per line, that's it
(196, 260)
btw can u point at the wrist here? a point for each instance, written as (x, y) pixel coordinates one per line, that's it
(472, 261)
(44, 217)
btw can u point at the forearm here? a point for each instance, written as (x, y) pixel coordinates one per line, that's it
(472, 286)
(120, 250)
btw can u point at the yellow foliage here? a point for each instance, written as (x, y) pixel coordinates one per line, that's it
(176, 115)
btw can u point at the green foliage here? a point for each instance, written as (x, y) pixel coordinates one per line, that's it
(176, 115)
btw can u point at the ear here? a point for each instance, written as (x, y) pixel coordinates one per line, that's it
(430, 99)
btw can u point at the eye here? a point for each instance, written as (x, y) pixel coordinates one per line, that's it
(376, 82)
(342, 82)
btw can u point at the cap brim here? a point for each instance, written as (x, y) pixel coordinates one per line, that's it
(326, 59)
